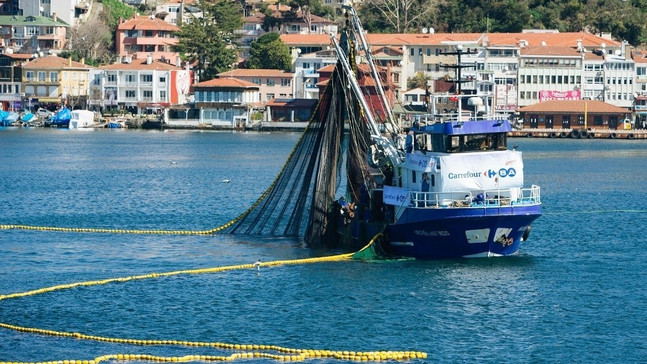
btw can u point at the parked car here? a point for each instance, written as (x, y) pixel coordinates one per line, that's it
(44, 113)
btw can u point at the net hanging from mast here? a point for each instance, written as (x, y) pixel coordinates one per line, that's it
(328, 160)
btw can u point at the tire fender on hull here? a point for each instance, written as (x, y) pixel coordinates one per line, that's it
(526, 233)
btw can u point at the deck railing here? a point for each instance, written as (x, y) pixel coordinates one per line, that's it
(482, 199)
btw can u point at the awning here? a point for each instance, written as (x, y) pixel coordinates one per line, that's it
(48, 99)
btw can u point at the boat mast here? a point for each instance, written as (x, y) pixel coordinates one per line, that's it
(357, 26)
(383, 143)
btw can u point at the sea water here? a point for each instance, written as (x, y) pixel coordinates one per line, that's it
(575, 293)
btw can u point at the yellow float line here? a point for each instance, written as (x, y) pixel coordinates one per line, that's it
(170, 232)
(286, 354)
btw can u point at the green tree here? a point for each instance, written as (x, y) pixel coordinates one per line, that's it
(268, 51)
(209, 40)
(113, 10)
(420, 80)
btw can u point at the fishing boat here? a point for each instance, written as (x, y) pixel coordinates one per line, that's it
(448, 187)
(452, 189)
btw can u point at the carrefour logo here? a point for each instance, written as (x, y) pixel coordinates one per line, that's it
(503, 172)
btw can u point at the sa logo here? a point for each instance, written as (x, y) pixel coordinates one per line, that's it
(503, 172)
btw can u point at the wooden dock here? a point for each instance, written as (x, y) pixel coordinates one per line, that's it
(579, 133)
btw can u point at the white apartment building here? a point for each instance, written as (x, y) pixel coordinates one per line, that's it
(140, 85)
(619, 73)
(70, 11)
(547, 73)
(306, 75)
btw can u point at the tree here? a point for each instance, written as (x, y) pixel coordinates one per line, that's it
(268, 51)
(113, 10)
(402, 16)
(209, 40)
(91, 40)
(420, 80)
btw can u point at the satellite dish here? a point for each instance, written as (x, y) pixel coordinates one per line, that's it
(543, 43)
(425, 30)
(603, 45)
(432, 31)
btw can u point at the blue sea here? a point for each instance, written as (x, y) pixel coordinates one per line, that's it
(576, 293)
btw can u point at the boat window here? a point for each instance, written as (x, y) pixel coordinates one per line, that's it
(454, 144)
(413, 176)
(476, 142)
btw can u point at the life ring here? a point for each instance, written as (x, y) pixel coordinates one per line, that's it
(563, 134)
(612, 135)
(630, 136)
(526, 233)
(591, 135)
(552, 135)
(584, 134)
(575, 134)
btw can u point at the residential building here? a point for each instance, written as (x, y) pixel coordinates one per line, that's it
(32, 34)
(72, 12)
(640, 87)
(11, 93)
(9, 7)
(272, 83)
(368, 85)
(52, 79)
(306, 72)
(226, 101)
(141, 36)
(141, 85)
(253, 26)
(177, 11)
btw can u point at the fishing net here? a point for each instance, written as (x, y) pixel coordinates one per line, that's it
(328, 163)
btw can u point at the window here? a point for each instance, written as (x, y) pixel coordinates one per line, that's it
(29, 75)
(130, 78)
(53, 77)
(270, 82)
(146, 78)
(269, 97)
(130, 94)
(41, 76)
(256, 80)
(148, 94)
(285, 82)
(162, 79)
(29, 31)
(112, 77)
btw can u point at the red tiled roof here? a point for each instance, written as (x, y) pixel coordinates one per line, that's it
(422, 39)
(146, 23)
(550, 51)
(54, 62)
(639, 55)
(550, 38)
(306, 39)
(226, 82)
(574, 106)
(245, 72)
(140, 64)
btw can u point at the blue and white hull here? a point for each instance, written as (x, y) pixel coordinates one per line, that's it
(460, 232)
